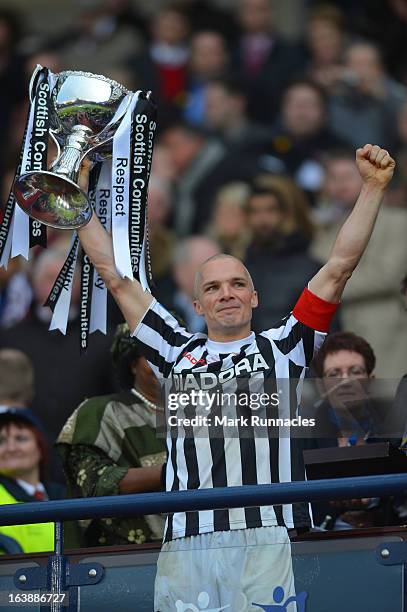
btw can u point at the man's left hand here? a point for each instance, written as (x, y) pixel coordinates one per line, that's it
(375, 165)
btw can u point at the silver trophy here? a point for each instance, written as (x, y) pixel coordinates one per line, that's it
(83, 113)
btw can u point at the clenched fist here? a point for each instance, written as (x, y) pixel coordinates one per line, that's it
(375, 165)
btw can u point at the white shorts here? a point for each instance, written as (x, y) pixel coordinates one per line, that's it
(226, 570)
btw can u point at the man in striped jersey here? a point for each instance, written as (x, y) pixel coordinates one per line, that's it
(201, 548)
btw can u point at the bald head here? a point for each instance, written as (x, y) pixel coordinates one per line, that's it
(225, 297)
(199, 276)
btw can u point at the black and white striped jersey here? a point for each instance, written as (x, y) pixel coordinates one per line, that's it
(200, 458)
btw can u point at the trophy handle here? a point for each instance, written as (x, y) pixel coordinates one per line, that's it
(97, 150)
(106, 135)
(31, 93)
(51, 133)
(31, 88)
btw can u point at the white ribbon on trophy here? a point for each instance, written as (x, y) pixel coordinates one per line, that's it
(120, 193)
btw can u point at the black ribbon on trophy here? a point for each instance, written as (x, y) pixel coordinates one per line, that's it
(18, 232)
(86, 115)
(38, 159)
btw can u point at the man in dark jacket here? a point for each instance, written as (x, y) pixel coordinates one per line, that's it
(277, 258)
(263, 59)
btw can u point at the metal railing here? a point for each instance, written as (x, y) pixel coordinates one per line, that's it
(203, 499)
(61, 578)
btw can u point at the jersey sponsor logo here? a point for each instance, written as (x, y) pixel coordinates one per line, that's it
(208, 380)
(209, 359)
(193, 359)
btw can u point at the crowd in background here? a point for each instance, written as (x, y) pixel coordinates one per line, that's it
(254, 157)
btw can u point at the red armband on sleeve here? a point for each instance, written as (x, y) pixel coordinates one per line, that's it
(313, 311)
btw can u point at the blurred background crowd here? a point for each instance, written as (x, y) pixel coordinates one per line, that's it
(261, 105)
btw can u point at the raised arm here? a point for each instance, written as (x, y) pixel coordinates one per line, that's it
(376, 168)
(132, 300)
